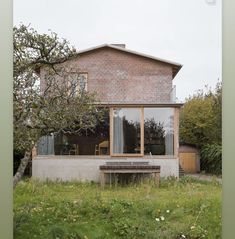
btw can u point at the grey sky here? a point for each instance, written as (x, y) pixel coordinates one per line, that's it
(184, 31)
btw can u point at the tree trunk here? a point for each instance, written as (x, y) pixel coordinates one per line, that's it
(23, 164)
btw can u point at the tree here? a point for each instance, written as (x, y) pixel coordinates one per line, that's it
(57, 106)
(201, 125)
(217, 108)
(200, 118)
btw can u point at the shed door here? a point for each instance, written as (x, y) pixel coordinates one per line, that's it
(188, 161)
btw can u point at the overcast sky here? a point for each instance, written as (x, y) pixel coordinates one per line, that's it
(184, 31)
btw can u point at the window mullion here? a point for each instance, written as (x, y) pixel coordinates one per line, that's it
(142, 131)
(111, 130)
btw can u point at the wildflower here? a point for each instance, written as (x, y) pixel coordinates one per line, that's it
(167, 211)
(162, 218)
(192, 227)
(183, 236)
(157, 219)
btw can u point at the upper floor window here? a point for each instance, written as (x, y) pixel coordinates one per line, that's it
(77, 82)
(82, 81)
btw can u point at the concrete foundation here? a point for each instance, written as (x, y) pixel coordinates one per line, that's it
(68, 168)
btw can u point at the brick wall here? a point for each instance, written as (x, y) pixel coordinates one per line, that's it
(120, 77)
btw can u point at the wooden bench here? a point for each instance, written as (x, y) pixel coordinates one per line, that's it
(129, 168)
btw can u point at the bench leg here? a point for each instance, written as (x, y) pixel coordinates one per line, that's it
(102, 179)
(157, 179)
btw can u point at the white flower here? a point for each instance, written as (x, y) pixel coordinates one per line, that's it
(167, 211)
(183, 236)
(157, 219)
(162, 218)
(192, 227)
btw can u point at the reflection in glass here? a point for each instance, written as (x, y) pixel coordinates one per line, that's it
(126, 131)
(89, 142)
(159, 131)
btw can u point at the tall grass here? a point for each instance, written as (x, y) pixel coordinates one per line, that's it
(184, 208)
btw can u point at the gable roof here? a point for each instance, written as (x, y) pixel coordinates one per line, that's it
(176, 66)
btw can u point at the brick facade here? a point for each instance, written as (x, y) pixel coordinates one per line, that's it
(122, 77)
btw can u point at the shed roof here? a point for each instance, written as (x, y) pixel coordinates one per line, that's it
(186, 148)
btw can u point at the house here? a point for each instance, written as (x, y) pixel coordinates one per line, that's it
(142, 123)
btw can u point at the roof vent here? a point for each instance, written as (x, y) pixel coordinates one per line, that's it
(119, 45)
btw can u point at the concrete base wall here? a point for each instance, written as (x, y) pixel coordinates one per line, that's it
(87, 169)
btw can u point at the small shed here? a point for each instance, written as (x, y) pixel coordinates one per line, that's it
(189, 158)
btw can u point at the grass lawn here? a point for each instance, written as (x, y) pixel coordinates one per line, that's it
(178, 209)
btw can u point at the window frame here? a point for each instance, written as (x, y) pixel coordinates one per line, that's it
(77, 89)
(175, 155)
(175, 130)
(141, 154)
(86, 83)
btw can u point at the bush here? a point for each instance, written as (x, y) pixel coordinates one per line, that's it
(211, 158)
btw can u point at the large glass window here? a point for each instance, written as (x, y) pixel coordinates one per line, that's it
(126, 131)
(135, 131)
(95, 142)
(158, 131)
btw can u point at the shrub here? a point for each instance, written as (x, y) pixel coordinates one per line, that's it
(211, 158)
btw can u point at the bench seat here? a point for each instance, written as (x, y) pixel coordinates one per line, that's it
(129, 168)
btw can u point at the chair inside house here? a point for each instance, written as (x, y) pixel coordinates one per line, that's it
(102, 148)
(74, 150)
